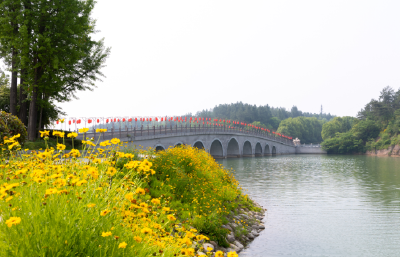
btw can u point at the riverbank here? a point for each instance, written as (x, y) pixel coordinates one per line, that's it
(244, 227)
(392, 151)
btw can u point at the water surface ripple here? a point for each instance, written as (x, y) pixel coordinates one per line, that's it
(324, 205)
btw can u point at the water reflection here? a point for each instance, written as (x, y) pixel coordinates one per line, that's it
(324, 205)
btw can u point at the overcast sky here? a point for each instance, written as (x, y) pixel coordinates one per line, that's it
(174, 57)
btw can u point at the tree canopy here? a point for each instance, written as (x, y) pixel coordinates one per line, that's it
(336, 125)
(50, 45)
(376, 127)
(307, 129)
(266, 115)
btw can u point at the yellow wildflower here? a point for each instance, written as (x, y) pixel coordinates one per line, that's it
(51, 191)
(105, 143)
(75, 153)
(14, 137)
(129, 155)
(83, 130)
(12, 145)
(232, 254)
(219, 254)
(171, 217)
(13, 221)
(58, 133)
(101, 130)
(39, 180)
(44, 133)
(189, 252)
(122, 245)
(72, 135)
(146, 231)
(137, 239)
(115, 141)
(60, 182)
(91, 205)
(186, 241)
(79, 183)
(105, 212)
(93, 172)
(155, 201)
(60, 147)
(90, 143)
(111, 171)
(105, 234)
(129, 196)
(140, 191)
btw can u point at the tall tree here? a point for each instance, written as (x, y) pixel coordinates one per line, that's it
(55, 51)
(9, 25)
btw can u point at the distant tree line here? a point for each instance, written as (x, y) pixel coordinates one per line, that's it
(377, 126)
(265, 115)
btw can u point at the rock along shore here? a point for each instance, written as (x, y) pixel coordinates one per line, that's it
(393, 151)
(244, 227)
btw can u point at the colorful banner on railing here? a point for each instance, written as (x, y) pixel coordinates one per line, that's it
(73, 123)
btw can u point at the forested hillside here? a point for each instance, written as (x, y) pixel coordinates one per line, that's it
(307, 129)
(266, 115)
(376, 126)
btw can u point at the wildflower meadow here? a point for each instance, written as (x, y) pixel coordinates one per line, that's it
(109, 200)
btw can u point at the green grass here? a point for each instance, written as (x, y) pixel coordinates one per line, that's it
(52, 142)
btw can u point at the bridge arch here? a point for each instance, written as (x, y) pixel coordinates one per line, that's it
(198, 144)
(233, 148)
(159, 147)
(216, 149)
(247, 150)
(179, 143)
(267, 150)
(258, 150)
(273, 150)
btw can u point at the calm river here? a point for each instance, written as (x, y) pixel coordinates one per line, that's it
(324, 205)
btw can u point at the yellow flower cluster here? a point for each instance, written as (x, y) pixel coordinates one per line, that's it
(143, 168)
(43, 192)
(58, 133)
(12, 144)
(204, 179)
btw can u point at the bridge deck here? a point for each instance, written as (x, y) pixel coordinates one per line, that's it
(141, 133)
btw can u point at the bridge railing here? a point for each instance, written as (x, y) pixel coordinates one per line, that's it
(310, 145)
(134, 133)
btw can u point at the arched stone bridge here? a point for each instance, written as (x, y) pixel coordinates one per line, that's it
(219, 142)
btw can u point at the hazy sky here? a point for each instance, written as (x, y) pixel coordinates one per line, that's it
(174, 57)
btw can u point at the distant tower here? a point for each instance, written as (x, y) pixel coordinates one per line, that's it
(321, 109)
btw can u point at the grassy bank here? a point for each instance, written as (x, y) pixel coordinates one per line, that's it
(116, 204)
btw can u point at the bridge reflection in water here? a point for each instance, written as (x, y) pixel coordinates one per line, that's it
(220, 142)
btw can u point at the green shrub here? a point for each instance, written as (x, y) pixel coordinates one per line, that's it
(10, 126)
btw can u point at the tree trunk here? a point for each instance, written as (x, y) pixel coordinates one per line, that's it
(13, 89)
(22, 100)
(33, 114)
(40, 120)
(42, 97)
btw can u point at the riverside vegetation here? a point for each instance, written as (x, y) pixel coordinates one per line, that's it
(104, 201)
(376, 127)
